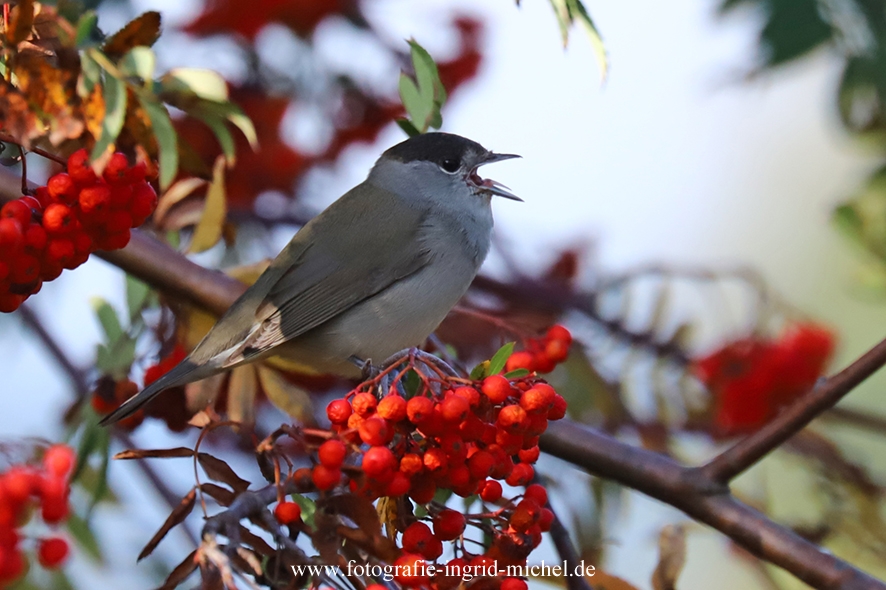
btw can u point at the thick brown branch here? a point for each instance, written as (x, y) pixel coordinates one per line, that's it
(705, 501)
(733, 461)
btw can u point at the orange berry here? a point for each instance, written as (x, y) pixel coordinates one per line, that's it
(59, 460)
(497, 388)
(454, 408)
(338, 411)
(419, 409)
(364, 404)
(521, 360)
(392, 407)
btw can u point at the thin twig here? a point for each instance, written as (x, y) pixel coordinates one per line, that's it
(5, 138)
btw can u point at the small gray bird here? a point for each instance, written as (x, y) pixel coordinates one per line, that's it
(373, 274)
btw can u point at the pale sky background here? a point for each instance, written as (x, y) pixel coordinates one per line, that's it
(675, 160)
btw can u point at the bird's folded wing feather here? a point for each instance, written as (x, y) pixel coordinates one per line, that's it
(337, 268)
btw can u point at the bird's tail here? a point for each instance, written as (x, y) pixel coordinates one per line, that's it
(182, 373)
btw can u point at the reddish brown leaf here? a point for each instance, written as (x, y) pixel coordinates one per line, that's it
(218, 493)
(155, 453)
(358, 509)
(218, 470)
(20, 22)
(181, 572)
(178, 515)
(142, 30)
(260, 545)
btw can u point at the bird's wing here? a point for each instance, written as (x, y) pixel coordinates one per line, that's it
(337, 268)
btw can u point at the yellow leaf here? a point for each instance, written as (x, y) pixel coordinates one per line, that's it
(142, 30)
(387, 514)
(672, 557)
(175, 194)
(209, 230)
(289, 398)
(241, 394)
(21, 19)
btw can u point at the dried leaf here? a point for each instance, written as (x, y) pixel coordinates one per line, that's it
(20, 22)
(358, 509)
(221, 495)
(672, 557)
(142, 30)
(156, 453)
(290, 398)
(178, 515)
(241, 394)
(218, 470)
(257, 543)
(181, 572)
(176, 193)
(209, 230)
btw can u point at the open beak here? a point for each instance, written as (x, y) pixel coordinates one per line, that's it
(491, 186)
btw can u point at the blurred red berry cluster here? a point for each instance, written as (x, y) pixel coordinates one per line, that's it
(753, 378)
(28, 490)
(543, 354)
(76, 213)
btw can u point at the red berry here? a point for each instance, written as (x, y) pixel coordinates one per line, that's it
(454, 408)
(419, 409)
(449, 524)
(364, 404)
(338, 411)
(54, 496)
(59, 460)
(117, 169)
(480, 464)
(410, 571)
(325, 478)
(512, 419)
(62, 188)
(545, 519)
(521, 360)
(559, 333)
(520, 475)
(12, 566)
(25, 269)
(557, 351)
(10, 302)
(378, 462)
(41, 193)
(4, 270)
(332, 453)
(558, 408)
(375, 431)
(17, 210)
(529, 455)
(491, 491)
(423, 490)
(52, 552)
(138, 172)
(411, 464)
(95, 199)
(11, 235)
(398, 485)
(113, 241)
(513, 584)
(536, 492)
(80, 169)
(144, 200)
(392, 407)
(117, 221)
(287, 512)
(35, 237)
(471, 395)
(58, 219)
(82, 243)
(416, 536)
(60, 251)
(497, 388)
(121, 199)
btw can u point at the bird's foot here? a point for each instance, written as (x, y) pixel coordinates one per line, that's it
(424, 358)
(368, 370)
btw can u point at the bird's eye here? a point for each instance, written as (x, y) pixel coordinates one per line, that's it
(450, 165)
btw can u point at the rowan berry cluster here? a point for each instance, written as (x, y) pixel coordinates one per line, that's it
(24, 491)
(452, 434)
(543, 354)
(62, 223)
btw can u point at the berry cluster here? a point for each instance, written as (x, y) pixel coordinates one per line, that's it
(751, 379)
(450, 434)
(62, 223)
(543, 354)
(24, 488)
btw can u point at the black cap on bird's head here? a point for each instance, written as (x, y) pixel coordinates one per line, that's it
(453, 154)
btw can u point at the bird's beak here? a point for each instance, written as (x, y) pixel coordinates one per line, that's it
(491, 186)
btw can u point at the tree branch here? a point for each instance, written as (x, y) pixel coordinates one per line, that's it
(702, 499)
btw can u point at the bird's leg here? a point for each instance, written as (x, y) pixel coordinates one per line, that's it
(425, 358)
(369, 370)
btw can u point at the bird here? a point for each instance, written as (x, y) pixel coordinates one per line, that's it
(374, 273)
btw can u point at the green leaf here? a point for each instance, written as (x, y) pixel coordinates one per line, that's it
(86, 30)
(229, 112)
(516, 373)
(408, 127)
(139, 62)
(167, 140)
(108, 319)
(794, 28)
(423, 97)
(116, 359)
(417, 106)
(90, 75)
(84, 536)
(500, 358)
(480, 371)
(209, 229)
(115, 113)
(137, 295)
(206, 84)
(593, 34)
(308, 508)
(411, 383)
(60, 581)
(223, 135)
